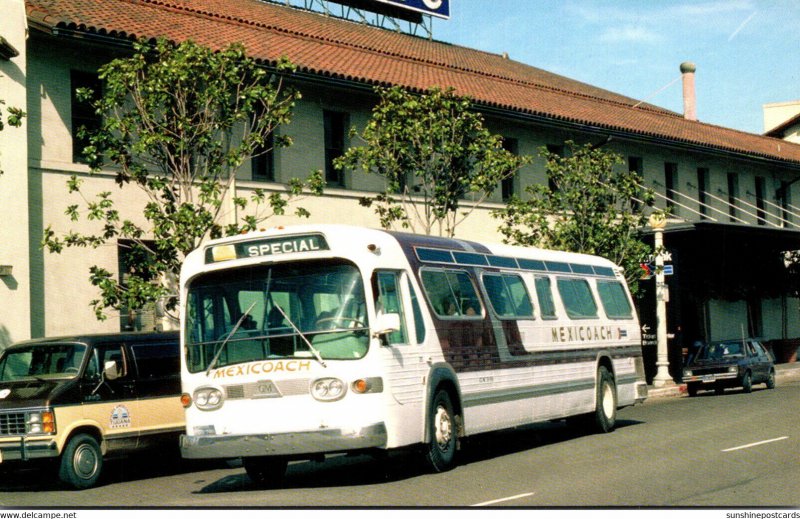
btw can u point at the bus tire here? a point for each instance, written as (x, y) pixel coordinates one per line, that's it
(81, 462)
(605, 415)
(440, 452)
(265, 471)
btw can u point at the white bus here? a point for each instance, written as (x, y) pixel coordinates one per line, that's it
(305, 341)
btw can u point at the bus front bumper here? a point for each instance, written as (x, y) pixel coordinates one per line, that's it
(283, 444)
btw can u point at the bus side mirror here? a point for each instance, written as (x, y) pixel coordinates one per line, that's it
(386, 324)
(110, 370)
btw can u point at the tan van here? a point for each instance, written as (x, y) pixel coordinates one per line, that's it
(80, 399)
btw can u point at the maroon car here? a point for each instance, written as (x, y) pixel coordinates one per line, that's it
(733, 363)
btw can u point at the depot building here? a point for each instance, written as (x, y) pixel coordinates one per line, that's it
(732, 195)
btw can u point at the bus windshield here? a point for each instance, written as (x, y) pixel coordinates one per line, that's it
(42, 361)
(312, 309)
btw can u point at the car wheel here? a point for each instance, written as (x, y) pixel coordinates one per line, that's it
(747, 382)
(265, 471)
(81, 462)
(771, 379)
(440, 452)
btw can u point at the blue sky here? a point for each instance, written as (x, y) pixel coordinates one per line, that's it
(747, 52)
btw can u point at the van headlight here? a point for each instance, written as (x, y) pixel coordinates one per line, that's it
(208, 398)
(40, 422)
(328, 389)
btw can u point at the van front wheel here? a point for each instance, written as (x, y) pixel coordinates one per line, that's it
(81, 462)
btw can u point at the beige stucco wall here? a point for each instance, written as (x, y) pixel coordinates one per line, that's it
(61, 292)
(14, 251)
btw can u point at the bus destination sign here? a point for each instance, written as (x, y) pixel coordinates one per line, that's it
(266, 247)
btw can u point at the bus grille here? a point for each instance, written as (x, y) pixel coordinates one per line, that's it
(285, 387)
(12, 424)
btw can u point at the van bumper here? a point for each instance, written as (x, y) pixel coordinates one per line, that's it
(23, 449)
(283, 444)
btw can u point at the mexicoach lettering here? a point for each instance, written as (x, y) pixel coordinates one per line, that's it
(259, 368)
(581, 333)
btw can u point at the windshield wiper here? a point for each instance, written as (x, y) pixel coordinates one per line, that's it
(302, 336)
(222, 346)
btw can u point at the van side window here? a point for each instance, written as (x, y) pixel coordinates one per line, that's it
(614, 300)
(508, 296)
(390, 301)
(545, 294)
(158, 364)
(156, 360)
(451, 293)
(577, 298)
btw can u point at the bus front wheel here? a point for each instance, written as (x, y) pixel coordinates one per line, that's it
(440, 451)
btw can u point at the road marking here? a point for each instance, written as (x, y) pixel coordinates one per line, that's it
(755, 444)
(511, 498)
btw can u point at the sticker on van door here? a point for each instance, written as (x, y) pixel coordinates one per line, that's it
(120, 417)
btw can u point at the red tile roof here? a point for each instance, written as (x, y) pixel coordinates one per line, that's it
(341, 49)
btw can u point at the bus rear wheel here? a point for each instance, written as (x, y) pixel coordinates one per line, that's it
(265, 471)
(440, 452)
(605, 415)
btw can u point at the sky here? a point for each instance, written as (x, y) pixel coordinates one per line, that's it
(747, 52)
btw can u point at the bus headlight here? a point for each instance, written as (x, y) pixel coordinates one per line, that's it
(208, 398)
(328, 389)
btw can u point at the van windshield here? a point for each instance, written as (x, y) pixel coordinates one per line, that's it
(42, 361)
(309, 310)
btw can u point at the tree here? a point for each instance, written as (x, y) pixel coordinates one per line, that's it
(433, 152)
(588, 206)
(13, 118)
(178, 120)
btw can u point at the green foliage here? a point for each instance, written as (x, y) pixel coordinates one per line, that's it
(433, 152)
(177, 122)
(13, 118)
(593, 207)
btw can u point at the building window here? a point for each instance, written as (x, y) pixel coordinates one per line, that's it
(335, 131)
(83, 113)
(507, 185)
(702, 191)
(733, 195)
(761, 213)
(785, 201)
(555, 149)
(636, 165)
(263, 162)
(129, 254)
(671, 183)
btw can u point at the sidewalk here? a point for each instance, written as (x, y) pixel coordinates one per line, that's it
(782, 371)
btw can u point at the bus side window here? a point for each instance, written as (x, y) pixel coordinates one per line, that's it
(508, 296)
(577, 298)
(451, 293)
(545, 294)
(390, 301)
(419, 323)
(615, 301)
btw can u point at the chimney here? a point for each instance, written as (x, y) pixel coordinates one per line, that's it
(689, 97)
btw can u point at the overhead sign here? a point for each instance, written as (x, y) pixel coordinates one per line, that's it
(266, 247)
(438, 8)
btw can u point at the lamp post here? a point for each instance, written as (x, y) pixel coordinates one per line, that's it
(657, 222)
